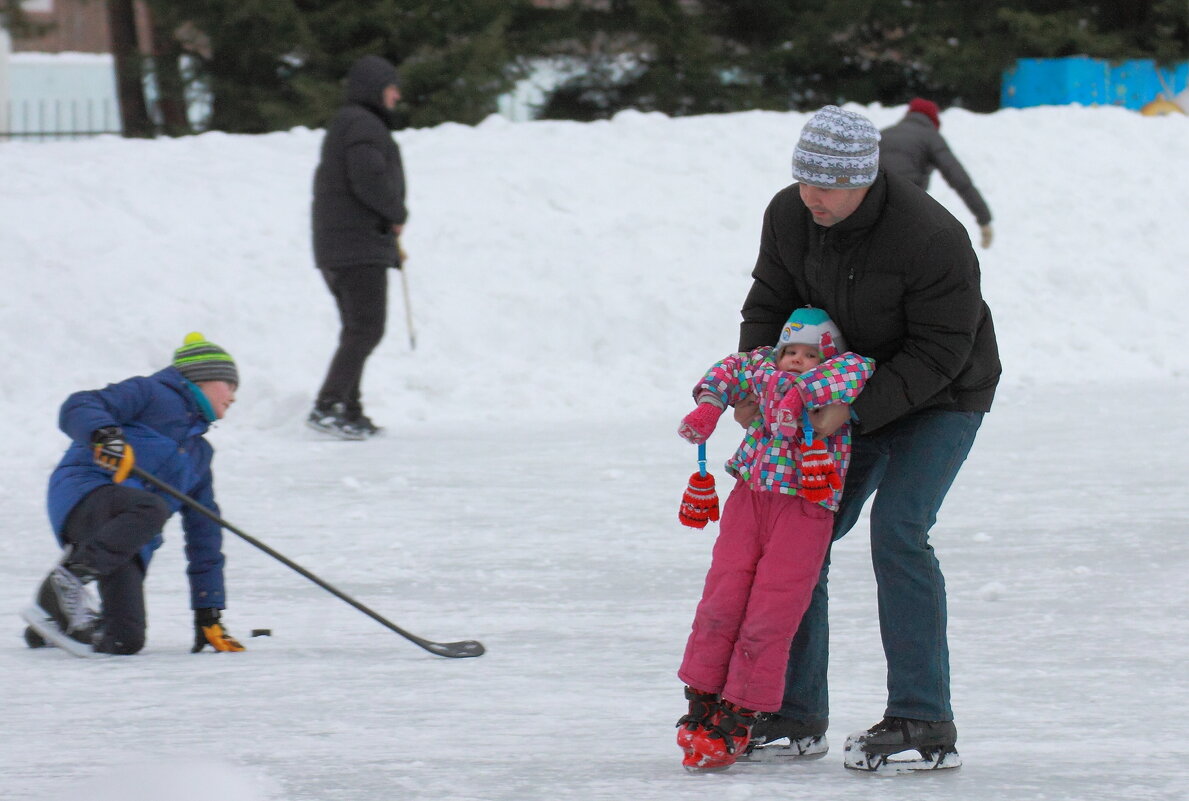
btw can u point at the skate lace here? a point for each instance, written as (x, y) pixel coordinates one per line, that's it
(74, 600)
(732, 723)
(702, 708)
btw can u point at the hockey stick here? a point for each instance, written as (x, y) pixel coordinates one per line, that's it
(404, 287)
(454, 650)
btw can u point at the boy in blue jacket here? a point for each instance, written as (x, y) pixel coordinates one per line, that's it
(109, 524)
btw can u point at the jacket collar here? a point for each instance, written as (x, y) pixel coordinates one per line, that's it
(201, 417)
(868, 211)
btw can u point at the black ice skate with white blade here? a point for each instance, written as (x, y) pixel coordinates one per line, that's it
(876, 749)
(64, 613)
(777, 739)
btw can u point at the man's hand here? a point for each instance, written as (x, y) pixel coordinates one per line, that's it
(987, 234)
(209, 631)
(401, 254)
(828, 419)
(746, 411)
(111, 452)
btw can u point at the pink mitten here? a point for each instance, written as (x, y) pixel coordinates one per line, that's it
(698, 425)
(787, 417)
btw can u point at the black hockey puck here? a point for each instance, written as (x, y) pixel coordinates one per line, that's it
(261, 632)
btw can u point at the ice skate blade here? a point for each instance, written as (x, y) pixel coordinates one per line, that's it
(338, 433)
(928, 759)
(802, 749)
(708, 769)
(44, 625)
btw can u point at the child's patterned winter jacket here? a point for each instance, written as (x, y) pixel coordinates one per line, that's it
(770, 461)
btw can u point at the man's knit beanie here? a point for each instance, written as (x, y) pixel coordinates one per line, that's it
(838, 150)
(198, 360)
(928, 108)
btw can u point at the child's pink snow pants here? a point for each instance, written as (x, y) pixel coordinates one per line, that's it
(762, 573)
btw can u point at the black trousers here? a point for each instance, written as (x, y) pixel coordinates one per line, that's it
(361, 294)
(107, 529)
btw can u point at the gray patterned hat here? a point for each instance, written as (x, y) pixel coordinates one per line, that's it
(838, 150)
(198, 360)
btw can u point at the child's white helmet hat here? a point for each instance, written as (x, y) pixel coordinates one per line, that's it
(811, 326)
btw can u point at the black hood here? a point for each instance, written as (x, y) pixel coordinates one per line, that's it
(367, 79)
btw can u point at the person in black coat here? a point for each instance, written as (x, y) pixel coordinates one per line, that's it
(898, 275)
(358, 215)
(914, 146)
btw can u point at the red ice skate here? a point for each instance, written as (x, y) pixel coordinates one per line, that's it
(702, 707)
(717, 745)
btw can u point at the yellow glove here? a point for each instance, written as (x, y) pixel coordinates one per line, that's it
(111, 452)
(987, 233)
(209, 631)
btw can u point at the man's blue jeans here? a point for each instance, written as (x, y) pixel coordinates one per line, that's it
(909, 465)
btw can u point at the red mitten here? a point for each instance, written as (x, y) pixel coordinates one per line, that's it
(819, 479)
(700, 501)
(787, 416)
(698, 425)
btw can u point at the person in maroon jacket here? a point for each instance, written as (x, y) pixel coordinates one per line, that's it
(898, 275)
(914, 147)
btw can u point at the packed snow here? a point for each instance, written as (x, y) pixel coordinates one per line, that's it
(569, 282)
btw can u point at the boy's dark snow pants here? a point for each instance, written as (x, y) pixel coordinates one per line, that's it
(107, 529)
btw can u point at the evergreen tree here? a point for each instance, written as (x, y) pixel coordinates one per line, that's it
(454, 59)
(801, 54)
(651, 55)
(274, 64)
(256, 48)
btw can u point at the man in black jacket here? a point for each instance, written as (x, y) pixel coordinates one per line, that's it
(358, 213)
(914, 146)
(897, 273)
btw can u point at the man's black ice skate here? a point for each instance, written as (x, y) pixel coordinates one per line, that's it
(363, 424)
(778, 738)
(334, 420)
(875, 749)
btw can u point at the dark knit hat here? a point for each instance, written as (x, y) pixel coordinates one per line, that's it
(198, 360)
(838, 150)
(928, 108)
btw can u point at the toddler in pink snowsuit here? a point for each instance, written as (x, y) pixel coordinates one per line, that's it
(775, 528)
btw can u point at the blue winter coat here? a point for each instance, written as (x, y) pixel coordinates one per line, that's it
(164, 422)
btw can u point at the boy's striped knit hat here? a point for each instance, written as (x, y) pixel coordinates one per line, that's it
(838, 150)
(198, 360)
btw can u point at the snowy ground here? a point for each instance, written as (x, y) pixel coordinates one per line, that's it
(571, 282)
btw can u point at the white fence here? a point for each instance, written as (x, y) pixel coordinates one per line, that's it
(56, 94)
